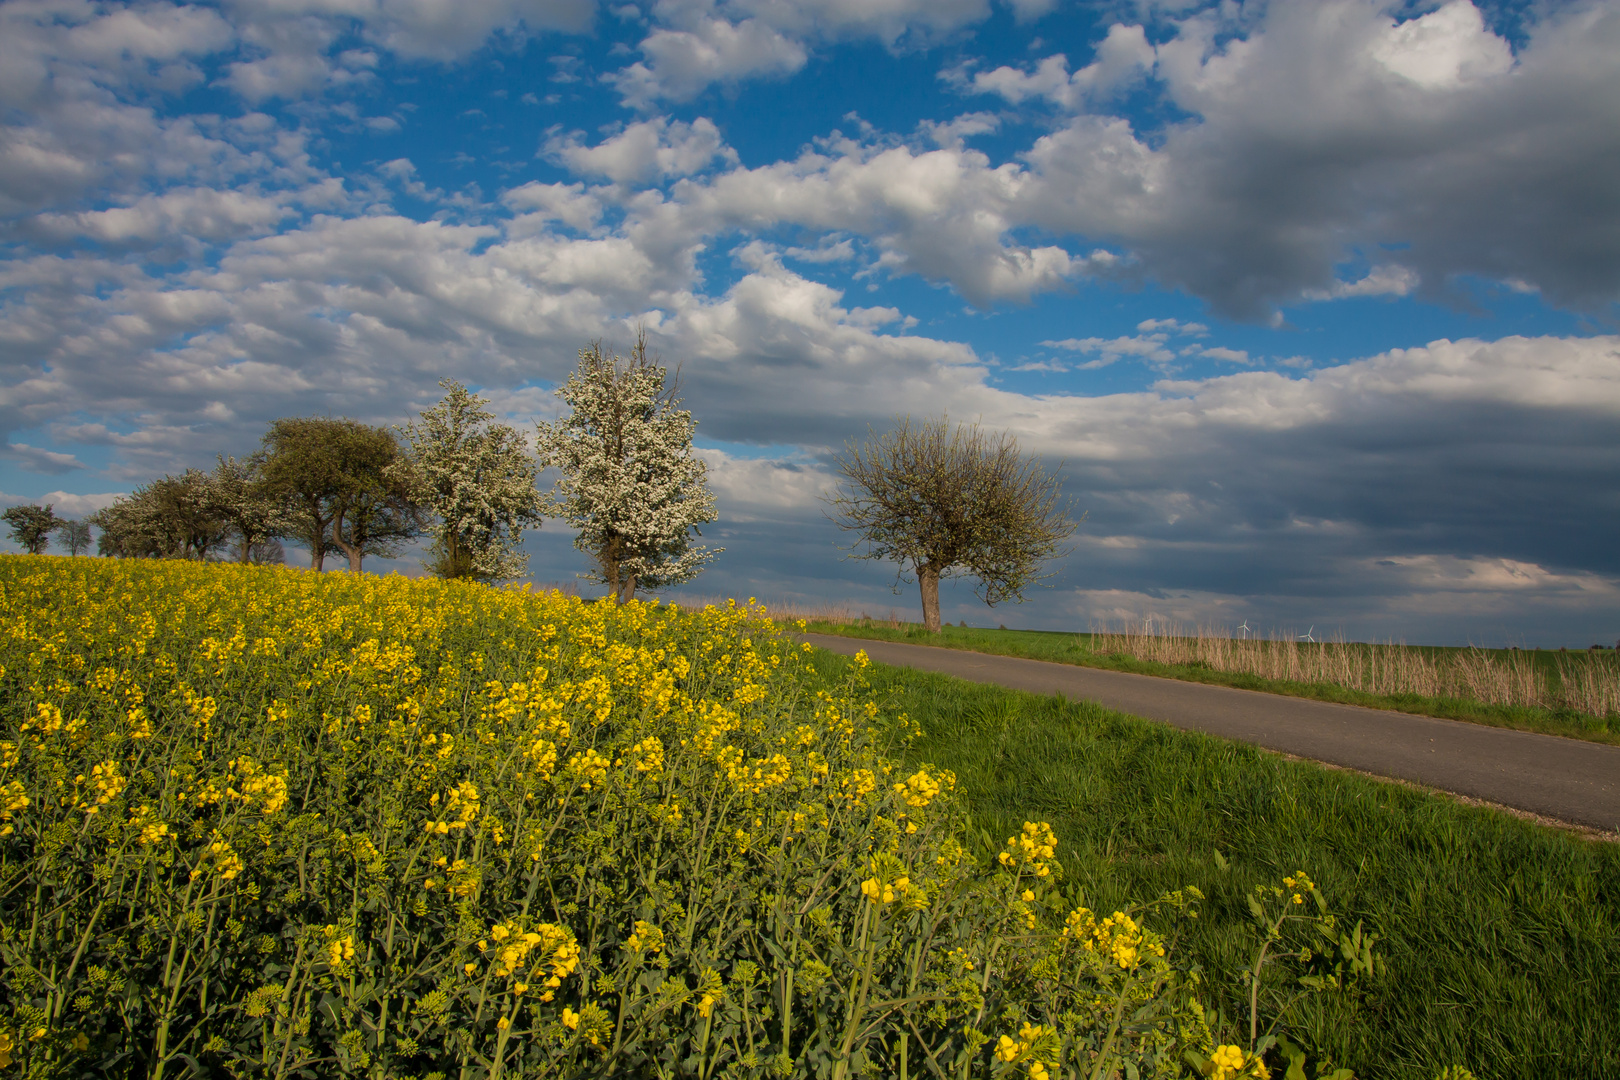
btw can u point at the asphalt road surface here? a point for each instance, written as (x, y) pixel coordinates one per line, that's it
(1567, 779)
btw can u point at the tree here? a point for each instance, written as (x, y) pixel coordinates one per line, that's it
(342, 486)
(630, 482)
(176, 517)
(302, 474)
(247, 504)
(31, 526)
(478, 479)
(75, 535)
(947, 501)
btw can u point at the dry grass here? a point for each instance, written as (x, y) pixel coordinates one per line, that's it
(1584, 682)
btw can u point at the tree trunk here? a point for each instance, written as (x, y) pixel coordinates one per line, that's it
(354, 552)
(627, 588)
(928, 579)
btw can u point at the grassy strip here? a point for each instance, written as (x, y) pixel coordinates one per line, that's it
(1067, 648)
(1502, 938)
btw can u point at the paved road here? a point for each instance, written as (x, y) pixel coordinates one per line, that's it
(1566, 779)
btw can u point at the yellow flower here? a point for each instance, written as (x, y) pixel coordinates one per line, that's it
(570, 1019)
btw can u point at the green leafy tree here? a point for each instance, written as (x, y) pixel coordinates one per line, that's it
(303, 474)
(176, 517)
(477, 479)
(75, 536)
(630, 482)
(342, 486)
(31, 526)
(946, 501)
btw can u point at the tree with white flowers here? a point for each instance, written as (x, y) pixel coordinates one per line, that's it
(630, 482)
(477, 479)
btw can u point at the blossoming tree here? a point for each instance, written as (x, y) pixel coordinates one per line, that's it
(630, 482)
(477, 478)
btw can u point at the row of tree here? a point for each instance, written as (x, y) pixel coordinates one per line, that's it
(940, 500)
(629, 483)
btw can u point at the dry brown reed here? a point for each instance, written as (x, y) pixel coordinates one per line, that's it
(1585, 682)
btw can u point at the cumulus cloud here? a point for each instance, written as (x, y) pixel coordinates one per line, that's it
(655, 149)
(1150, 344)
(1331, 129)
(701, 42)
(1122, 57)
(682, 62)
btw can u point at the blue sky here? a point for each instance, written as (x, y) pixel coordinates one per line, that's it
(1314, 301)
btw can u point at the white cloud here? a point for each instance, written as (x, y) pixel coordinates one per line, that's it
(1122, 57)
(754, 489)
(939, 213)
(655, 149)
(700, 42)
(37, 460)
(199, 213)
(1444, 49)
(682, 63)
(1386, 280)
(570, 204)
(1150, 345)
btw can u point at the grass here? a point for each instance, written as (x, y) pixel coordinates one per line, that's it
(1101, 651)
(1502, 937)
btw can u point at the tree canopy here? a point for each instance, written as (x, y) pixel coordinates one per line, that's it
(343, 485)
(946, 501)
(31, 526)
(630, 481)
(176, 517)
(478, 479)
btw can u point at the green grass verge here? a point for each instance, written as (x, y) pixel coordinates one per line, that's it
(1502, 937)
(1068, 648)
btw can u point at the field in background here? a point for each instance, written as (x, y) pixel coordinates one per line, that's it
(1575, 694)
(1501, 937)
(1581, 682)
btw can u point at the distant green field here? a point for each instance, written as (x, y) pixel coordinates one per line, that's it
(1502, 938)
(1084, 650)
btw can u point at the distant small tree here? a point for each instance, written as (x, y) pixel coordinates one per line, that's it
(631, 484)
(267, 553)
(75, 536)
(477, 478)
(946, 501)
(31, 526)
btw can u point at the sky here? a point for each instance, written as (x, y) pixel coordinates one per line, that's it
(1313, 305)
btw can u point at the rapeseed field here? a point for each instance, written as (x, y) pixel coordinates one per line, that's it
(262, 822)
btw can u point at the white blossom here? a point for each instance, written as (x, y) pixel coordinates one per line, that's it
(631, 484)
(477, 478)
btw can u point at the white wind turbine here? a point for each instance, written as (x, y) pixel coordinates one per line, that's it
(1245, 629)
(1308, 634)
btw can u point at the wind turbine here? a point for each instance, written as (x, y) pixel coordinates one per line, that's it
(1245, 629)
(1308, 634)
